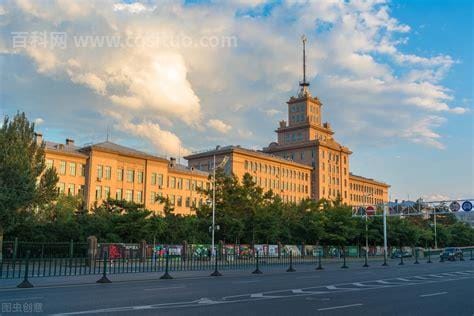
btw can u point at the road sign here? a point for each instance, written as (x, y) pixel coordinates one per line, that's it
(370, 210)
(454, 206)
(466, 206)
(361, 210)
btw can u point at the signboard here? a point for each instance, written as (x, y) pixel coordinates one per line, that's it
(454, 206)
(466, 206)
(273, 250)
(370, 210)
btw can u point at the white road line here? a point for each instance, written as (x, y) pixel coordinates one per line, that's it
(337, 307)
(22, 299)
(366, 285)
(433, 294)
(421, 277)
(435, 275)
(301, 291)
(164, 288)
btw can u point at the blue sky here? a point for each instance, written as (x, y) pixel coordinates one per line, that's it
(395, 78)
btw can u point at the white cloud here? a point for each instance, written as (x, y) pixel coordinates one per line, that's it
(172, 84)
(135, 7)
(272, 112)
(219, 126)
(165, 142)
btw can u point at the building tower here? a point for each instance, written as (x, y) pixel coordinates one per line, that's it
(305, 139)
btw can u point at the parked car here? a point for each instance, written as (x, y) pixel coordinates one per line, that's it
(398, 254)
(451, 254)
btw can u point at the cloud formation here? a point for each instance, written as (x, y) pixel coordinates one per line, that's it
(155, 65)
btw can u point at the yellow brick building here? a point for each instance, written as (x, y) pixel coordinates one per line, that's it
(107, 169)
(290, 180)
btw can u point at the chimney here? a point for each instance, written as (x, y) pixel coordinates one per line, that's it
(69, 142)
(38, 138)
(172, 161)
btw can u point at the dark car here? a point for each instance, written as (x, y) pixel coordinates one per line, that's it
(451, 254)
(398, 254)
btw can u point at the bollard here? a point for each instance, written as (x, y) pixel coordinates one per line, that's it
(290, 269)
(401, 259)
(384, 259)
(26, 284)
(471, 255)
(216, 272)
(257, 270)
(166, 276)
(416, 257)
(319, 261)
(429, 255)
(104, 278)
(366, 264)
(441, 258)
(344, 266)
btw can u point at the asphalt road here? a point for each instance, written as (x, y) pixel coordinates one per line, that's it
(424, 289)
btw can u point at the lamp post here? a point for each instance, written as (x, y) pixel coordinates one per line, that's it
(366, 233)
(213, 251)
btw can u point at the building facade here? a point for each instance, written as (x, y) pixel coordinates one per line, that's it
(106, 169)
(290, 180)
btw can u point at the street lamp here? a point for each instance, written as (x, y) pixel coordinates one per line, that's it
(366, 233)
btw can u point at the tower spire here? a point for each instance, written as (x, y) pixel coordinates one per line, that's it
(304, 83)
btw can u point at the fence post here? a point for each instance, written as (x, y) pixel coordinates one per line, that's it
(290, 269)
(91, 251)
(104, 278)
(26, 284)
(257, 270)
(320, 267)
(142, 246)
(429, 255)
(416, 256)
(15, 248)
(1, 244)
(166, 276)
(366, 264)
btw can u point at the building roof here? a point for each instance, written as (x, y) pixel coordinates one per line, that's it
(361, 178)
(63, 149)
(185, 169)
(238, 149)
(119, 149)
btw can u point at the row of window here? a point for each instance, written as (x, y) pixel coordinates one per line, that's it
(70, 189)
(264, 168)
(333, 193)
(365, 199)
(74, 168)
(365, 188)
(280, 185)
(177, 200)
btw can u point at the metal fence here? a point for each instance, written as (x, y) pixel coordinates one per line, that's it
(75, 266)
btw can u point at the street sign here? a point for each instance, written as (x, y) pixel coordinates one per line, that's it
(361, 210)
(370, 210)
(466, 206)
(454, 206)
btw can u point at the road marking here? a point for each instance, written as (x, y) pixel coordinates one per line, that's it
(383, 282)
(308, 277)
(435, 275)
(341, 306)
(366, 285)
(421, 277)
(405, 280)
(163, 288)
(301, 291)
(23, 299)
(433, 294)
(245, 282)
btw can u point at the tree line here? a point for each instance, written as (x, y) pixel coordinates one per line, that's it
(33, 210)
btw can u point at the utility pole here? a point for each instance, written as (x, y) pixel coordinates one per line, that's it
(385, 249)
(213, 250)
(435, 232)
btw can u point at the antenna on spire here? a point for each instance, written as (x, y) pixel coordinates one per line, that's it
(304, 83)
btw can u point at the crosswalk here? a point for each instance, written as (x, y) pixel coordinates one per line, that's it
(355, 286)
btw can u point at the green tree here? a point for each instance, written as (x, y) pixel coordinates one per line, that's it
(21, 164)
